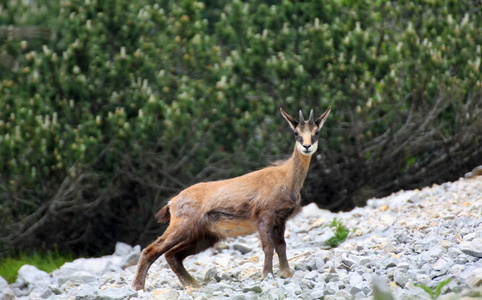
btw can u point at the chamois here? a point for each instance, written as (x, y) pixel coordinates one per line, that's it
(262, 201)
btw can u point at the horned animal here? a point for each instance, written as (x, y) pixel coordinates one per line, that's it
(262, 201)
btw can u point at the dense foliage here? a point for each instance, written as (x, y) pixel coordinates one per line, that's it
(108, 108)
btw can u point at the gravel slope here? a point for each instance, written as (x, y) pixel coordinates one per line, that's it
(420, 236)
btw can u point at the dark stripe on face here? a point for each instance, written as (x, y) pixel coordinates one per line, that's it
(313, 132)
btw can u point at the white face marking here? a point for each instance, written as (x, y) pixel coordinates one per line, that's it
(306, 132)
(307, 152)
(305, 137)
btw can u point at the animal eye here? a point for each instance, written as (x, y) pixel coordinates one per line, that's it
(317, 132)
(295, 132)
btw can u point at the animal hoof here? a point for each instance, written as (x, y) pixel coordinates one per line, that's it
(286, 274)
(269, 275)
(193, 285)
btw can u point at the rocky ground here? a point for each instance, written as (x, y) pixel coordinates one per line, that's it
(411, 237)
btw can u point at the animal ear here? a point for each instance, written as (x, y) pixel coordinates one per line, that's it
(293, 123)
(321, 120)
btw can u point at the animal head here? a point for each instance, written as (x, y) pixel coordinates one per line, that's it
(306, 132)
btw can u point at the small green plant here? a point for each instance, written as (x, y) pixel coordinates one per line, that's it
(47, 262)
(341, 232)
(438, 289)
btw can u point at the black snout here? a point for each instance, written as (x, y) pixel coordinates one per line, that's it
(307, 146)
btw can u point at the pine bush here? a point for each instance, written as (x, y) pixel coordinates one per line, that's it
(109, 108)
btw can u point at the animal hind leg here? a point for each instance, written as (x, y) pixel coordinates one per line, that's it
(176, 255)
(175, 262)
(149, 255)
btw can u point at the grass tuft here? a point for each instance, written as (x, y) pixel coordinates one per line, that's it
(47, 261)
(341, 233)
(435, 293)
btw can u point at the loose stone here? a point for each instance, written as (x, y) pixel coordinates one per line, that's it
(420, 236)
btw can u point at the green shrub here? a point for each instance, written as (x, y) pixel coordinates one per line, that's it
(109, 108)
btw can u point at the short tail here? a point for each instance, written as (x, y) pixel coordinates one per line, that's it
(164, 215)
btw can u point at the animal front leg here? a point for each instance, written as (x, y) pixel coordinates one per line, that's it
(265, 229)
(280, 246)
